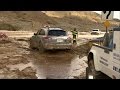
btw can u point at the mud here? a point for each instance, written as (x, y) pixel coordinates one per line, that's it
(12, 54)
(18, 61)
(62, 64)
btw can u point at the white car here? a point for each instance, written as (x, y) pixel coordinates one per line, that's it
(51, 38)
(95, 32)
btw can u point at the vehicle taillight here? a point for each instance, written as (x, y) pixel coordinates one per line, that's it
(46, 38)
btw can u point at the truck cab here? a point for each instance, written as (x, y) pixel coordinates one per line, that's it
(105, 58)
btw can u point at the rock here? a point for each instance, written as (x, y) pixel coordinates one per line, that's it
(28, 73)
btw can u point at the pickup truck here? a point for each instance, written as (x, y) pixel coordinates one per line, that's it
(105, 58)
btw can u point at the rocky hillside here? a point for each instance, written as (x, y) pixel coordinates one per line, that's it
(33, 20)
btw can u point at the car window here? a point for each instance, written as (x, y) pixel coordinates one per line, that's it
(108, 40)
(57, 33)
(42, 32)
(95, 30)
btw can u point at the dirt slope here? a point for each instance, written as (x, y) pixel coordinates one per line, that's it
(33, 20)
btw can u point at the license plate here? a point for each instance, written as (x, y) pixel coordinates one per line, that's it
(59, 40)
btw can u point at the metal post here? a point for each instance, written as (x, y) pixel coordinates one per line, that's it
(106, 29)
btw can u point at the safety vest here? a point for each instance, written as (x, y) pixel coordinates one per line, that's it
(74, 32)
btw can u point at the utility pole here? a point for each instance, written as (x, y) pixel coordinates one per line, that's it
(106, 30)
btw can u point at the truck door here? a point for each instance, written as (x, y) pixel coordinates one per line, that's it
(104, 59)
(106, 54)
(115, 64)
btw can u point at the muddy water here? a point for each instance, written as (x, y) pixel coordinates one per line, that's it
(57, 64)
(52, 64)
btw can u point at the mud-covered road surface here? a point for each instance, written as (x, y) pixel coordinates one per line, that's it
(14, 64)
(57, 64)
(18, 61)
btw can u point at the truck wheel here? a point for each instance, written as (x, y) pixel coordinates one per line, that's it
(87, 71)
(91, 73)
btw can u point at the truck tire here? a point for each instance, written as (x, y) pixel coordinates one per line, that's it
(95, 74)
(87, 71)
(89, 75)
(90, 71)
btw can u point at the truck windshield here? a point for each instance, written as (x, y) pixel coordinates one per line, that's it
(57, 33)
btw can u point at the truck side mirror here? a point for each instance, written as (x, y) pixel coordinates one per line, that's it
(114, 46)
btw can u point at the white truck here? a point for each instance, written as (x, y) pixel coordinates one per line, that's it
(105, 58)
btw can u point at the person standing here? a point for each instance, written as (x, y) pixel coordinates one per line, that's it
(75, 35)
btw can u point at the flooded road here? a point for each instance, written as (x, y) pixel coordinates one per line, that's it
(24, 63)
(52, 64)
(56, 64)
